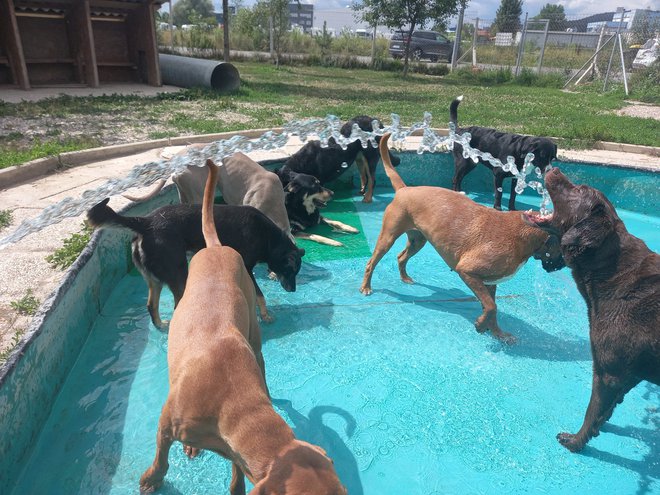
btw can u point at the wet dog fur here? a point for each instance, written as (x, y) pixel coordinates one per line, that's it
(619, 279)
(501, 145)
(165, 236)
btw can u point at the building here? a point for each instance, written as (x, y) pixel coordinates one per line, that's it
(630, 18)
(87, 42)
(302, 15)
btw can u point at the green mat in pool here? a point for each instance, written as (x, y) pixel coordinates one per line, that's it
(342, 209)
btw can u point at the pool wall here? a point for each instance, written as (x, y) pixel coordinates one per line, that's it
(30, 381)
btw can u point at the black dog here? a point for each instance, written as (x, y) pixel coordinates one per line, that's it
(619, 278)
(303, 197)
(168, 233)
(326, 164)
(500, 145)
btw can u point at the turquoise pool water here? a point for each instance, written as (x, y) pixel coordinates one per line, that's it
(398, 388)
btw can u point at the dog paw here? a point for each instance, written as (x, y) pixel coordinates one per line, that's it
(149, 484)
(366, 291)
(407, 279)
(267, 318)
(163, 325)
(569, 441)
(191, 452)
(367, 200)
(506, 338)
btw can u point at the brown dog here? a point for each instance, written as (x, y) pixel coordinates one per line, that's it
(218, 398)
(619, 278)
(484, 246)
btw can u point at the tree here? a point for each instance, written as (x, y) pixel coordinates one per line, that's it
(555, 14)
(405, 16)
(507, 17)
(184, 9)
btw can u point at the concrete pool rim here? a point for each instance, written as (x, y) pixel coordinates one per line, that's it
(33, 169)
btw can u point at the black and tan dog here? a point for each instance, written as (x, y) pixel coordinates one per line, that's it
(328, 163)
(501, 145)
(484, 246)
(165, 236)
(218, 399)
(304, 197)
(619, 279)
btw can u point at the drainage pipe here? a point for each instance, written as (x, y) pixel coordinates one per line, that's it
(188, 72)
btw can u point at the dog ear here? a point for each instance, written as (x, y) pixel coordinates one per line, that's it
(588, 233)
(292, 187)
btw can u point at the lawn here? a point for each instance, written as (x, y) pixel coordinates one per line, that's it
(270, 97)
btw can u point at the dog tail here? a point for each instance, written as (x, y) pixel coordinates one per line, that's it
(453, 110)
(395, 178)
(140, 199)
(208, 223)
(101, 215)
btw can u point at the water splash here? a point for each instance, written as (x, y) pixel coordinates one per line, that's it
(315, 128)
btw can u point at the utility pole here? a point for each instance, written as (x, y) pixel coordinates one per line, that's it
(457, 39)
(225, 30)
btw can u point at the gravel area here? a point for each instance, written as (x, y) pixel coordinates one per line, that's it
(643, 110)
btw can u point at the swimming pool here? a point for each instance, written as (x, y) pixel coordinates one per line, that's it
(398, 387)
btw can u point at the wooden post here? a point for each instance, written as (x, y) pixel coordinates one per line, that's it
(81, 36)
(12, 38)
(147, 32)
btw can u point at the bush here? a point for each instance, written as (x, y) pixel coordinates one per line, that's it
(645, 84)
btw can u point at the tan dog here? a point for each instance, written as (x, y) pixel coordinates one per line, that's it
(484, 246)
(218, 398)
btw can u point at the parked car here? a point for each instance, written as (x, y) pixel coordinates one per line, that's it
(423, 44)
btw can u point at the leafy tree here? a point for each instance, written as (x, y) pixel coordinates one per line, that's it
(507, 17)
(405, 16)
(555, 14)
(198, 9)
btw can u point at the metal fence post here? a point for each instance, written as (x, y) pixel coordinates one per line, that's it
(594, 67)
(545, 40)
(475, 37)
(609, 65)
(623, 65)
(457, 39)
(521, 47)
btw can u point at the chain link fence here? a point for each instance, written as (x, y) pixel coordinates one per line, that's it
(566, 47)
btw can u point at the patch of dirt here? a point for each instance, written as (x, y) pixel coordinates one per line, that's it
(643, 110)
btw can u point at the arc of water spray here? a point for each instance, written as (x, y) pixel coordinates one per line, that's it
(323, 129)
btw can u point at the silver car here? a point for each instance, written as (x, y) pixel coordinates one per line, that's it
(423, 44)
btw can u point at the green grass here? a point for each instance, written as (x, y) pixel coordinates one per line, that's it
(270, 97)
(6, 217)
(12, 155)
(26, 305)
(71, 248)
(15, 340)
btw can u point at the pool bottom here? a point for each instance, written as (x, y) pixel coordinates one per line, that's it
(398, 387)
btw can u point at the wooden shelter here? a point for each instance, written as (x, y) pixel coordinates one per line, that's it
(87, 42)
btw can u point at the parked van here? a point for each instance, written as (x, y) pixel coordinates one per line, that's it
(423, 44)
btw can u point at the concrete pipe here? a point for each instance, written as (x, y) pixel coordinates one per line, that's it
(187, 72)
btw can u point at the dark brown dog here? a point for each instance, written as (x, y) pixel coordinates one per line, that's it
(218, 398)
(619, 278)
(484, 246)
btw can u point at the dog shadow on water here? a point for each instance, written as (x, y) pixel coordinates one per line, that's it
(291, 318)
(311, 429)
(532, 342)
(648, 468)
